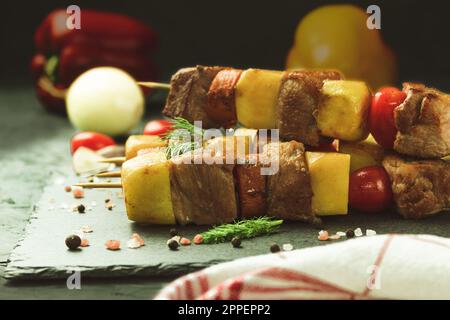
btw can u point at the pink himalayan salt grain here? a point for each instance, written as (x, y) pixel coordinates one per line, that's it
(138, 238)
(323, 235)
(78, 193)
(84, 243)
(185, 241)
(112, 245)
(198, 239)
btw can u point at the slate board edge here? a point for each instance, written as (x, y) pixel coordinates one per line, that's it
(42, 273)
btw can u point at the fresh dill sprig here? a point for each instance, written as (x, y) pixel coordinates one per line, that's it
(181, 137)
(244, 229)
(180, 127)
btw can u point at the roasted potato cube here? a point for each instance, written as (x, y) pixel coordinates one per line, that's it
(146, 187)
(137, 142)
(256, 98)
(329, 174)
(343, 110)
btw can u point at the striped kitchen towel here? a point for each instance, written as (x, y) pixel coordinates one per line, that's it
(376, 267)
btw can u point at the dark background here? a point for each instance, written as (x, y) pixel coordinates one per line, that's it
(240, 33)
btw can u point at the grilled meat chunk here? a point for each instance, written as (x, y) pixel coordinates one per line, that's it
(202, 193)
(221, 107)
(298, 101)
(251, 186)
(289, 190)
(421, 187)
(188, 94)
(423, 122)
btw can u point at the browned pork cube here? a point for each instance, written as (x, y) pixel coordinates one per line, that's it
(202, 193)
(289, 189)
(298, 101)
(421, 187)
(423, 122)
(188, 96)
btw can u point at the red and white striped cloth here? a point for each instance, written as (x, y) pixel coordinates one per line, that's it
(377, 267)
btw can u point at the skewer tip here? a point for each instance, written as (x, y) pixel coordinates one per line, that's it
(93, 185)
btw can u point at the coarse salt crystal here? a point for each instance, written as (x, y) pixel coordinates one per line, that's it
(370, 232)
(133, 243)
(176, 238)
(87, 229)
(185, 241)
(323, 235)
(84, 243)
(138, 239)
(358, 232)
(198, 239)
(334, 237)
(77, 192)
(112, 244)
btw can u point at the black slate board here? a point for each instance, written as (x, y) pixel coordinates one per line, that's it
(42, 254)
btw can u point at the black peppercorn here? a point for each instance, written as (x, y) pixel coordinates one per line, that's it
(173, 244)
(350, 233)
(236, 242)
(73, 242)
(173, 232)
(81, 208)
(275, 248)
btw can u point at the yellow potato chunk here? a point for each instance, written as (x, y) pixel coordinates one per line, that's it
(363, 154)
(343, 110)
(256, 98)
(146, 187)
(138, 142)
(329, 173)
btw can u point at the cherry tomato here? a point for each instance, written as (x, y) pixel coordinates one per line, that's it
(157, 127)
(370, 189)
(381, 119)
(91, 140)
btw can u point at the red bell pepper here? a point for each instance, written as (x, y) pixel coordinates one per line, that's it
(105, 39)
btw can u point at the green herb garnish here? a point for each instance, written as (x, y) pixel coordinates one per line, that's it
(243, 229)
(181, 137)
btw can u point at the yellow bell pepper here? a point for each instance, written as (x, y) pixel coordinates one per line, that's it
(337, 37)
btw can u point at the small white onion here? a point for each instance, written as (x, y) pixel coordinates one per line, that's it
(105, 100)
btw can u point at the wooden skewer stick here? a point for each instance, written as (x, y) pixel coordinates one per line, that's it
(155, 85)
(116, 160)
(112, 174)
(94, 185)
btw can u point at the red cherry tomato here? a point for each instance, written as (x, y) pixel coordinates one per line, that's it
(381, 119)
(157, 127)
(370, 189)
(91, 140)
